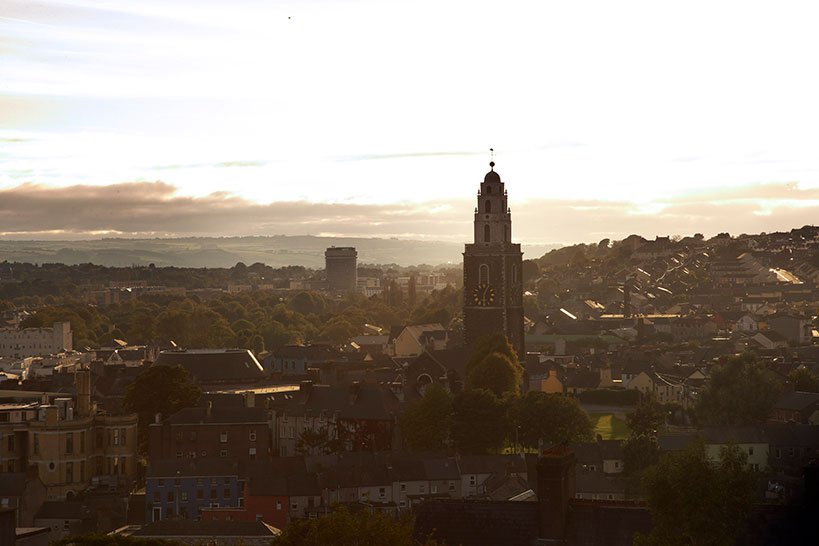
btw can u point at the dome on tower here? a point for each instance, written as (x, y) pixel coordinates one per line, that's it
(491, 176)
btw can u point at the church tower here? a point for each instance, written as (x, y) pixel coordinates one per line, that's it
(493, 288)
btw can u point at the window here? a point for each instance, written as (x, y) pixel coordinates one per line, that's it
(160, 482)
(483, 273)
(778, 453)
(226, 493)
(177, 482)
(433, 488)
(402, 503)
(200, 494)
(382, 492)
(183, 496)
(473, 480)
(157, 496)
(486, 233)
(122, 435)
(178, 436)
(192, 436)
(214, 481)
(10, 466)
(36, 443)
(422, 488)
(11, 443)
(252, 453)
(69, 472)
(403, 487)
(200, 482)
(116, 436)
(223, 453)
(82, 441)
(452, 486)
(751, 450)
(223, 437)
(214, 494)
(294, 505)
(278, 505)
(178, 454)
(170, 496)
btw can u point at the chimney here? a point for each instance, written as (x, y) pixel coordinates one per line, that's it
(82, 378)
(555, 486)
(355, 390)
(627, 298)
(249, 399)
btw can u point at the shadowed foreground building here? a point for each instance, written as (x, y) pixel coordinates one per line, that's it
(559, 518)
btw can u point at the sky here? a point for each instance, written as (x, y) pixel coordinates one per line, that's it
(144, 118)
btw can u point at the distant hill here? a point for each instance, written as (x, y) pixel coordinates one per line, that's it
(276, 251)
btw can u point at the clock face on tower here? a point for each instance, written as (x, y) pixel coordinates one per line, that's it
(483, 295)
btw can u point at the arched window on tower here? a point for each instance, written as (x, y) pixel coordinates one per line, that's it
(486, 233)
(487, 206)
(483, 273)
(488, 189)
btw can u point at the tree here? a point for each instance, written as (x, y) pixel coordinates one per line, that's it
(647, 418)
(159, 389)
(494, 366)
(549, 417)
(426, 424)
(741, 392)
(345, 527)
(803, 380)
(694, 500)
(497, 373)
(639, 453)
(479, 421)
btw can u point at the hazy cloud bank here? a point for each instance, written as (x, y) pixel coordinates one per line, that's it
(154, 209)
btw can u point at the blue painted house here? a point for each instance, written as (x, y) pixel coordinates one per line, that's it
(180, 488)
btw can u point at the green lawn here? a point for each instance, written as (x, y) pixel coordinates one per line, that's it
(608, 426)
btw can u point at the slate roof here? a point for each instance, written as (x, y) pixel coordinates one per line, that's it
(239, 415)
(172, 468)
(12, 484)
(62, 510)
(282, 476)
(793, 435)
(797, 401)
(214, 365)
(477, 522)
(358, 401)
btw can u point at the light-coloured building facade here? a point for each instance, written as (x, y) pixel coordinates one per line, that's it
(24, 342)
(72, 446)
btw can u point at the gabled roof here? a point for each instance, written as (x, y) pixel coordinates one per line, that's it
(797, 401)
(239, 415)
(207, 365)
(12, 484)
(282, 476)
(357, 401)
(199, 467)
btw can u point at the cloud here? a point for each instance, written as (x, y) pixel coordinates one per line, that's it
(149, 209)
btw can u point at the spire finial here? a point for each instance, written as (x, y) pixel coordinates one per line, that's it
(492, 158)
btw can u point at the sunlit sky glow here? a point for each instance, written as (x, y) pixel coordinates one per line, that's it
(607, 117)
